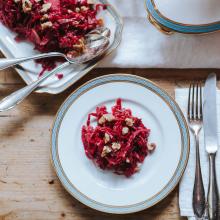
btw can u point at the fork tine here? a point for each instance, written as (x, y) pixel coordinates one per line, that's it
(197, 101)
(193, 106)
(201, 101)
(189, 97)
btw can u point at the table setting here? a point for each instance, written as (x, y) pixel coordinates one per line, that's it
(109, 110)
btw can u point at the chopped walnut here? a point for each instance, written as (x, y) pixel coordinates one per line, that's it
(69, 11)
(109, 117)
(151, 147)
(125, 130)
(16, 1)
(38, 0)
(45, 7)
(81, 41)
(102, 120)
(106, 138)
(129, 122)
(77, 9)
(106, 117)
(137, 169)
(106, 150)
(116, 146)
(44, 17)
(78, 46)
(26, 6)
(84, 8)
(46, 25)
(127, 160)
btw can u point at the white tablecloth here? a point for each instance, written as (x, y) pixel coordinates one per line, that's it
(143, 46)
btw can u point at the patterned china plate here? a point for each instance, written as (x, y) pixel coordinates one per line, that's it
(160, 172)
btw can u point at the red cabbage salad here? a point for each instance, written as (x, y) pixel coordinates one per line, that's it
(52, 25)
(119, 141)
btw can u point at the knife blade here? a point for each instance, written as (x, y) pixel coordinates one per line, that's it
(211, 143)
(210, 114)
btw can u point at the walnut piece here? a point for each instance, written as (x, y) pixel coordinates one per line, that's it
(137, 169)
(106, 138)
(129, 122)
(44, 17)
(84, 8)
(26, 6)
(127, 160)
(151, 147)
(80, 46)
(116, 146)
(77, 9)
(47, 24)
(45, 7)
(109, 117)
(106, 150)
(106, 117)
(125, 130)
(102, 120)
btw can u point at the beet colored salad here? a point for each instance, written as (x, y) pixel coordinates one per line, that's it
(119, 141)
(52, 25)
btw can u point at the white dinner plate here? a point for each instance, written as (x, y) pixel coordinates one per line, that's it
(160, 172)
(29, 71)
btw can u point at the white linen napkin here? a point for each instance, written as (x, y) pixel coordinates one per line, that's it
(186, 184)
(143, 46)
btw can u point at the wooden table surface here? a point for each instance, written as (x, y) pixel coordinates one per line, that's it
(29, 188)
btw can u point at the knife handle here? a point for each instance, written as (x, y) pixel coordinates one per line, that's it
(213, 194)
(199, 201)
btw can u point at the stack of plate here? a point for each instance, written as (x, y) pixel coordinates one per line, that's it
(184, 16)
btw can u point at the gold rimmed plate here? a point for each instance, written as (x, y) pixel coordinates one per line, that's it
(184, 16)
(160, 172)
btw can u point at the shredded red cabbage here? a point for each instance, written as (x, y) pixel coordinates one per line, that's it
(51, 25)
(119, 142)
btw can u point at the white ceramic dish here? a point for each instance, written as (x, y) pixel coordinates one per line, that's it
(30, 70)
(160, 172)
(184, 16)
(194, 12)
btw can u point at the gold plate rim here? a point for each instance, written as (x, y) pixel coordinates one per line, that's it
(133, 205)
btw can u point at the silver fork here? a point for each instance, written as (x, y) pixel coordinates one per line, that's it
(195, 120)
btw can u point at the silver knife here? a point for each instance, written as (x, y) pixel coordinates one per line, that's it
(211, 143)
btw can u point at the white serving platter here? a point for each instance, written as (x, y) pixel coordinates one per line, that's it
(29, 71)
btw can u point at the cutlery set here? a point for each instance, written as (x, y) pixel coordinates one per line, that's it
(204, 114)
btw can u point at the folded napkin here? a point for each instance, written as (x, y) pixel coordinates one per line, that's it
(143, 46)
(186, 184)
